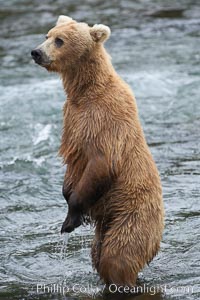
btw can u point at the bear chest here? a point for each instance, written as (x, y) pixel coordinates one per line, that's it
(80, 129)
(82, 124)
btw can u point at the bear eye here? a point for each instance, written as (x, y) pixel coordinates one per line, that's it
(58, 42)
(46, 37)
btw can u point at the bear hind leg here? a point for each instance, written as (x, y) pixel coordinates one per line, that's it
(116, 270)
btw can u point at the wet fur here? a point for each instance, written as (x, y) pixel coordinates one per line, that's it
(101, 119)
(111, 176)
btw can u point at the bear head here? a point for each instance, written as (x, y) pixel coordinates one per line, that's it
(67, 43)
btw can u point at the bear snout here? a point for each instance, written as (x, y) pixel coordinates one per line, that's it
(37, 55)
(40, 57)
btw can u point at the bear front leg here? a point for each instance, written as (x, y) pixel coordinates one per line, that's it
(95, 181)
(74, 218)
(66, 191)
(67, 186)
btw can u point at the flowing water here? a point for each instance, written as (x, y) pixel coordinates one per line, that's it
(155, 47)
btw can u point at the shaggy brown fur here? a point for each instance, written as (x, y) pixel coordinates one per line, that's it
(111, 176)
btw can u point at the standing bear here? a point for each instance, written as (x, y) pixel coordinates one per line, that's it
(111, 178)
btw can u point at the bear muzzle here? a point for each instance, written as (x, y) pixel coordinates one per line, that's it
(39, 57)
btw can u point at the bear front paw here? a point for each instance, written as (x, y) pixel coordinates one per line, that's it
(71, 223)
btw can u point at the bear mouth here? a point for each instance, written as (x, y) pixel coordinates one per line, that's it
(44, 63)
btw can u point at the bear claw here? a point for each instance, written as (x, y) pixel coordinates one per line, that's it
(65, 228)
(70, 224)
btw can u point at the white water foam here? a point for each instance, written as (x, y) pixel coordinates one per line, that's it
(43, 135)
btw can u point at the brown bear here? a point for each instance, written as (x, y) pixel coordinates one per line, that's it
(111, 177)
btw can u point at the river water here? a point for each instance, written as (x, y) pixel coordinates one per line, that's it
(155, 47)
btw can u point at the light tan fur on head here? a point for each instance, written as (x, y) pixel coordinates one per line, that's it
(63, 19)
(78, 39)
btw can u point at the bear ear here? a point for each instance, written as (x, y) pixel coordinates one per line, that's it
(63, 19)
(100, 33)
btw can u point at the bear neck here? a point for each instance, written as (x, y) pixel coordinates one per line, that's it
(90, 75)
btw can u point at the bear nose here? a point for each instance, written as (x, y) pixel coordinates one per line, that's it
(36, 54)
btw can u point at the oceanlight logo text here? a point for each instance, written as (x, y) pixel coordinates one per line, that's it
(91, 290)
(151, 290)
